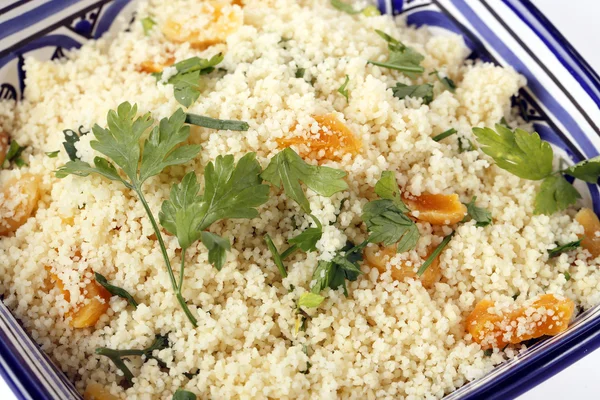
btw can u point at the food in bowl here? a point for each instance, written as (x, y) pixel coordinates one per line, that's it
(281, 199)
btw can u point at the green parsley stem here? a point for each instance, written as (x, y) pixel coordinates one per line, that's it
(403, 68)
(181, 269)
(276, 256)
(434, 254)
(289, 251)
(212, 123)
(163, 249)
(358, 247)
(444, 134)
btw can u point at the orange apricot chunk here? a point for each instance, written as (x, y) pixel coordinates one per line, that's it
(548, 315)
(333, 140)
(151, 67)
(87, 314)
(19, 199)
(591, 226)
(4, 145)
(95, 391)
(218, 20)
(378, 257)
(437, 209)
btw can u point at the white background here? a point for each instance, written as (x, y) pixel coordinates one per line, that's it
(578, 22)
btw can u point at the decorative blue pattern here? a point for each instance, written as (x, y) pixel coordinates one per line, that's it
(30, 373)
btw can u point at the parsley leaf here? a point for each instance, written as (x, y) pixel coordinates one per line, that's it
(72, 137)
(310, 300)
(385, 218)
(115, 290)
(230, 191)
(217, 248)
(482, 216)
(387, 188)
(401, 57)
(288, 169)
(555, 194)
(345, 7)
(181, 394)
(343, 89)
(13, 154)
(333, 274)
(567, 276)
(388, 224)
(307, 240)
(52, 154)
(587, 170)
(147, 24)
(186, 82)
(444, 134)
(555, 252)
(425, 91)
(519, 152)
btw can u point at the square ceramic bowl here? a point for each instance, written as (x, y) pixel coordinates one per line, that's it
(562, 100)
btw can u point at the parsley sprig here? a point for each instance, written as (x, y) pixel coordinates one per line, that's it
(527, 156)
(121, 142)
(425, 91)
(401, 57)
(186, 82)
(288, 170)
(118, 356)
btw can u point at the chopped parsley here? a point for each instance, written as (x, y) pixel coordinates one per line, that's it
(424, 91)
(444, 134)
(567, 276)
(401, 57)
(72, 137)
(147, 24)
(300, 73)
(481, 216)
(334, 274)
(447, 82)
(434, 254)
(187, 82)
(385, 218)
(213, 123)
(181, 394)
(115, 290)
(310, 300)
(558, 250)
(52, 154)
(343, 89)
(13, 155)
(118, 357)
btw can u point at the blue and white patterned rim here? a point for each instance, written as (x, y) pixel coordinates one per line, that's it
(562, 100)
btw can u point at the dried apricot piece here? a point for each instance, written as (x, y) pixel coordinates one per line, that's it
(18, 202)
(378, 257)
(591, 226)
(548, 315)
(437, 209)
(95, 391)
(218, 21)
(85, 315)
(333, 140)
(151, 67)
(88, 314)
